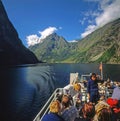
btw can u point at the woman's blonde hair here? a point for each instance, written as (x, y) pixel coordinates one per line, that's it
(105, 115)
(103, 111)
(77, 87)
(55, 106)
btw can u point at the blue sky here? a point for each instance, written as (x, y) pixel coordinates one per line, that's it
(72, 19)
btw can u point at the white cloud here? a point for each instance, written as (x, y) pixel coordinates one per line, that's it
(32, 39)
(88, 30)
(35, 39)
(47, 32)
(105, 3)
(89, 17)
(95, 14)
(72, 41)
(109, 11)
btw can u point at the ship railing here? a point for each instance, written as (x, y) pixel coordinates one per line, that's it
(107, 92)
(54, 95)
(45, 108)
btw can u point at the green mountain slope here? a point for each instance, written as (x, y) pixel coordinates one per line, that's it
(53, 49)
(101, 45)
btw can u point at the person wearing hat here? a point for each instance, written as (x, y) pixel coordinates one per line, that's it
(114, 102)
(114, 105)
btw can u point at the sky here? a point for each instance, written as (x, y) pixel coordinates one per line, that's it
(73, 19)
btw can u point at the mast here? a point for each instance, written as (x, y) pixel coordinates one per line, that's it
(101, 70)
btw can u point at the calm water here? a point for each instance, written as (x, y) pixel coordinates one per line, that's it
(24, 90)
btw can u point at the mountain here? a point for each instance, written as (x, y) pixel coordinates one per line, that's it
(12, 51)
(101, 45)
(54, 48)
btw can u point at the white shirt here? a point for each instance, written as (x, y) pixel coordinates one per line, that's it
(69, 90)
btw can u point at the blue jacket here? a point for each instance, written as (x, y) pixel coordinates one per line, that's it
(92, 86)
(52, 117)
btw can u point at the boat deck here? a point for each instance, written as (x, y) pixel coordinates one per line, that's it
(103, 90)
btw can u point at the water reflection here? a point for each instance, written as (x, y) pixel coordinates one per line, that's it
(24, 90)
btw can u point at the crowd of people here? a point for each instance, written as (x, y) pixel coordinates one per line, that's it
(68, 106)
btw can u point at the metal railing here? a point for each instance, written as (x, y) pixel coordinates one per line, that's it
(45, 108)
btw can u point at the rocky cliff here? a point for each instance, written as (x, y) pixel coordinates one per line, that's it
(12, 51)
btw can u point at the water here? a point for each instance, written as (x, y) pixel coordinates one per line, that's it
(24, 90)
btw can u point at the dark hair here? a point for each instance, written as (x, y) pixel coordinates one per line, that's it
(65, 101)
(105, 115)
(88, 110)
(93, 74)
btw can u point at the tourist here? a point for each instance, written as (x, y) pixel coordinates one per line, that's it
(87, 112)
(116, 92)
(55, 110)
(115, 106)
(103, 112)
(70, 113)
(92, 88)
(74, 91)
(65, 102)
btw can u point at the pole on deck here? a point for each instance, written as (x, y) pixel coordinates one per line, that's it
(101, 70)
